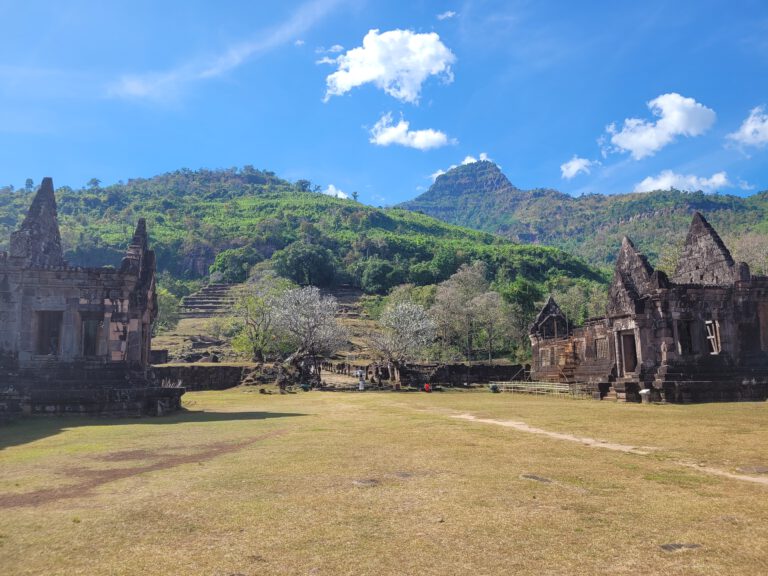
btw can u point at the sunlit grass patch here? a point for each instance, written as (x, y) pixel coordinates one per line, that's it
(383, 483)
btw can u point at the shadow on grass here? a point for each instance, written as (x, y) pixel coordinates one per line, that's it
(32, 428)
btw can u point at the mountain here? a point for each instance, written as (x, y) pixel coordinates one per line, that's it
(232, 220)
(480, 196)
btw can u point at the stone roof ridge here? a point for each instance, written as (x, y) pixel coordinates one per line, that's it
(38, 240)
(140, 234)
(44, 203)
(633, 268)
(551, 308)
(700, 223)
(705, 259)
(628, 247)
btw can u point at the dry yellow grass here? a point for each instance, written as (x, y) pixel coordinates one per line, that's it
(384, 483)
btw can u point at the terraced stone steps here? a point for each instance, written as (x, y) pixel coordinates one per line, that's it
(212, 300)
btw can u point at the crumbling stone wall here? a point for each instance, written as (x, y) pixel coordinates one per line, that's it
(197, 377)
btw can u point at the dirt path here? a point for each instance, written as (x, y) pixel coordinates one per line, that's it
(523, 427)
(593, 443)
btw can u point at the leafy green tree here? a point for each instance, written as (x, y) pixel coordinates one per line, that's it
(235, 263)
(168, 314)
(444, 263)
(377, 276)
(422, 273)
(255, 308)
(306, 264)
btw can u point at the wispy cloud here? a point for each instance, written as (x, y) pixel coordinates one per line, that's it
(754, 130)
(447, 15)
(167, 84)
(575, 166)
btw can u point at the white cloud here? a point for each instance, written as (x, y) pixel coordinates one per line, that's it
(469, 159)
(754, 130)
(335, 192)
(299, 42)
(575, 166)
(447, 15)
(668, 179)
(165, 85)
(744, 185)
(385, 133)
(397, 61)
(677, 116)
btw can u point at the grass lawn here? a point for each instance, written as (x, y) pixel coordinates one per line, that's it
(387, 483)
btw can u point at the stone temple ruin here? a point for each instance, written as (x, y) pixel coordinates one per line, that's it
(76, 340)
(699, 336)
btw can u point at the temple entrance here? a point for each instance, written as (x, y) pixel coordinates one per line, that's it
(49, 333)
(628, 352)
(91, 332)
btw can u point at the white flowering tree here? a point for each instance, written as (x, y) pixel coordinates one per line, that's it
(405, 330)
(308, 321)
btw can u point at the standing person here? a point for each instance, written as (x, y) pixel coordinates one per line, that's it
(361, 382)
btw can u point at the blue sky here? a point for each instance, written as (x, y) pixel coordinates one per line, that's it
(377, 97)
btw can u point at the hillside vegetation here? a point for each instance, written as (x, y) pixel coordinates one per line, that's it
(480, 196)
(229, 221)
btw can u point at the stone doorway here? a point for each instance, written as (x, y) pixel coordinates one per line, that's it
(49, 333)
(628, 352)
(91, 334)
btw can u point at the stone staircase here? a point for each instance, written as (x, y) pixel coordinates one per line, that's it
(348, 300)
(213, 300)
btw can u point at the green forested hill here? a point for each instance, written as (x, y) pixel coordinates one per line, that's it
(231, 220)
(480, 196)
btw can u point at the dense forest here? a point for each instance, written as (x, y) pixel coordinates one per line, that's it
(480, 196)
(235, 221)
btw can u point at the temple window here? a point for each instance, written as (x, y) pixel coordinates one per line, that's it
(713, 336)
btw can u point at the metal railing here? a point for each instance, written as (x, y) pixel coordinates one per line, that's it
(544, 389)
